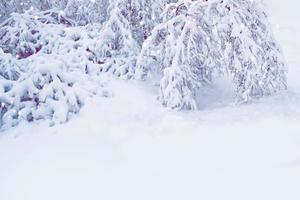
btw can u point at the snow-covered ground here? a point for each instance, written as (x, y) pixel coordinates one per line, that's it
(129, 147)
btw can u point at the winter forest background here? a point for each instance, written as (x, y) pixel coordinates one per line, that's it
(149, 99)
(183, 45)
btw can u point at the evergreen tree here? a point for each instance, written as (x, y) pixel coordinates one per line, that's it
(87, 11)
(117, 49)
(143, 16)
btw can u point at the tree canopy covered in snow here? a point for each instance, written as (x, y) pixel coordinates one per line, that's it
(202, 38)
(53, 52)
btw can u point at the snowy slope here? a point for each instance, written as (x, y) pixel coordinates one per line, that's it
(129, 147)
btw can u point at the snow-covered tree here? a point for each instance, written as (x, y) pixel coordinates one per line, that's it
(50, 60)
(81, 11)
(20, 35)
(87, 11)
(143, 16)
(45, 91)
(19, 6)
(200, 38)
(117, 50)
(50, 83)
(254, 57)
(185, 51)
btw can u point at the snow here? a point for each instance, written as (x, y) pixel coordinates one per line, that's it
(130, 147)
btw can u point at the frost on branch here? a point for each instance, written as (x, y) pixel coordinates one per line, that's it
(198, 39)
